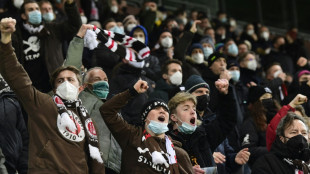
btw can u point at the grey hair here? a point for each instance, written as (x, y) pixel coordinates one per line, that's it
(86, 76)
(288, 121)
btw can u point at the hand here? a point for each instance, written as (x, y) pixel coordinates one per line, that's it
(251, 84)
(198, 170)
(242, 156)
(7, 27)
(194, 26)
(170, 52)
(302, 61)
(69, 1)
(141, 86)
(152, 6)
(298, 100)
(225, 75)
(222, 86)
(219, 158)
(282, 76)
(83, 30)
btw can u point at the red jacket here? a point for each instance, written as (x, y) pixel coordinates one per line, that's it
(272, 126)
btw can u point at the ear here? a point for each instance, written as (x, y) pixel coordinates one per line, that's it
(81, 88)
(24, 16)
(165, 76)
(173, 117)
(282, 139)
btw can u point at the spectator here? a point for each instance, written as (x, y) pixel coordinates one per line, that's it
(94, 94)
(151, 67)
(263, 45)
(165, 49)
(277, 81)
(290, 152)
(249, 68)
(33, 36)
(170, 82)
(279, 54)
(146, 148)
(47, 11)
(253, 131)
(13, 133)
(231, 49)
(199, 142)
(216, 70)
(249, 34)
(54, 135)
(129, 23)
(272, 126)
(208, 46)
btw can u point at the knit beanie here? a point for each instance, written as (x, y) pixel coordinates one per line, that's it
(303, 72)
(193, 46)
(207, 39)
(129, 18)
(255, 92)
(231, 63)
(152, 104)
(214, 56)
(194, 82)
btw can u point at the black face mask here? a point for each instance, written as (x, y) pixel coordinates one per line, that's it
(298, 148)
(271, 108)
(202, 102)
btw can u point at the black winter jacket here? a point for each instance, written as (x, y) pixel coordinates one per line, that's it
(201, 144)
(13, 134)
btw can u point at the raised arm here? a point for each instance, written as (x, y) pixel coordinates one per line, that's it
(272, 126)
(13, 72)
(120, 129)
(75, 50)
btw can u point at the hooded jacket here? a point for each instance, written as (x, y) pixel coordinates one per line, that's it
(50, 149)
(137, 145)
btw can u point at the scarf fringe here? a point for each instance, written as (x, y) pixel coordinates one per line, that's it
(95, 153)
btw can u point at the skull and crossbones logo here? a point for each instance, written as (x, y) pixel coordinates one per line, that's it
(33, 43)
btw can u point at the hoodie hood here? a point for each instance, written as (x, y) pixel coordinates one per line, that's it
(143, 29)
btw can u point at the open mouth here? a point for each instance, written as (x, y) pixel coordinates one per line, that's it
(193, 120)
(161, 118)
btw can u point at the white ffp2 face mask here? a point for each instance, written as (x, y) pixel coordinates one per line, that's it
(67, 91)
(176, 78)
(198, 58)
(166, 42)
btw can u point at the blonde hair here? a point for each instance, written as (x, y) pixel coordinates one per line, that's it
(179, 98)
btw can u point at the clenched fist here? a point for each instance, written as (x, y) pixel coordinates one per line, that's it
(7, 27)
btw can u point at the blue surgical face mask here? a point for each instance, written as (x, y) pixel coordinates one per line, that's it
(233, 49)
(223, 20)
(186, 128)
(207, 51)
(35, 17)
(101, 89)
(157, 127)
(235, 75)
(48, 17)
(118, 30)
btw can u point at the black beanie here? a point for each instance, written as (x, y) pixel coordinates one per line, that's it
(149, 105)
(214, 56)
(255, 92)
(194, 82)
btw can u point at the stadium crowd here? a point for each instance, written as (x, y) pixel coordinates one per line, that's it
(90, 86)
